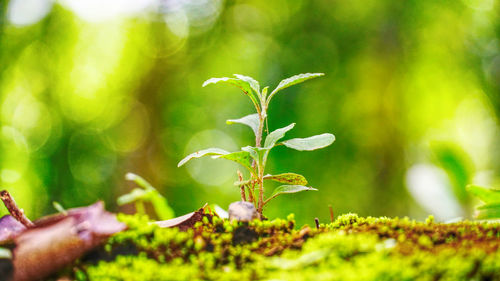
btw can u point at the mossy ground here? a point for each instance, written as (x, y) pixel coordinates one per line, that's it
(350, 248)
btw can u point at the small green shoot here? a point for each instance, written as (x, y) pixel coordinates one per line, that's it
(59, 208)
(254, 158)
(491, 198)
(147, 193)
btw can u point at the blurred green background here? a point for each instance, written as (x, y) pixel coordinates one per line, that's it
(93, 89)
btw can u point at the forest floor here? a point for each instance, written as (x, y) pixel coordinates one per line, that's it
(349, 248)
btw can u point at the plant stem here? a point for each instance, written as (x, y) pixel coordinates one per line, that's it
(139, 207)
(261, 194)
(250, 193)
(258, 136)
(260, 168)
(242, 187)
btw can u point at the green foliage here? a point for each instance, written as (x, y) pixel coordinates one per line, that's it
(251, 121)
(292, 81)
(276, 135)
(254, 158)
(457, 164)
(201, 153)
(290, 178)
(310, 143)
(484, 194)
(491, 198)
(286, 189)
(147, 193)
(489, 211)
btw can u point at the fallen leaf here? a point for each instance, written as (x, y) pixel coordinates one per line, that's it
(184, 222)
(9, 228)
(57, 240)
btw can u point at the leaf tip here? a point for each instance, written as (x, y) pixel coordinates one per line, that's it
(210, 81)
(182, 162)
(206, 83)
(130, 176)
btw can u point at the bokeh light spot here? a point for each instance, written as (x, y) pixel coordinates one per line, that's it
(26, 12)
(88, 158)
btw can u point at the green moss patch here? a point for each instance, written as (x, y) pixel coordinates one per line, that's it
(350, 248)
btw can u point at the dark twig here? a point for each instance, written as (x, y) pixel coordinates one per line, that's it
(242, 187)
(14, 210)
(331, 213)
(316, 220)
(250, 193)
(251, 188)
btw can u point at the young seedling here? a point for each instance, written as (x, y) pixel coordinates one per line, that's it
(147, 193)
(254, 158)
(59, 208)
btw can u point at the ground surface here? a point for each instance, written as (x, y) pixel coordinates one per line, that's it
(350, 248)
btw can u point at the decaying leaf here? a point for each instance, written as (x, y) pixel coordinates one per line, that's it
(57, 240)
(10, 228)
(186, 221)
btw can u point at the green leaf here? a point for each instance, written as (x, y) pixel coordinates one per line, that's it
(257, 153)
(201, 153)
(254, 152)
(290, 178)
(486, 195)
(252, 82)
(148, 193)
(243, 85)
(264, 92)
(243, 158)
(285, 189)
(310, 143)
(251, 121)
(292, 81)
(161, 206)
(457, 164)
(489, 211)
(276, 135)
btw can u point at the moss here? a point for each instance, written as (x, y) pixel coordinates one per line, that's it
(350, 248)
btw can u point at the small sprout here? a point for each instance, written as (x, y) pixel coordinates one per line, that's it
(254, 158)
(147, 194)
(59, 208)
